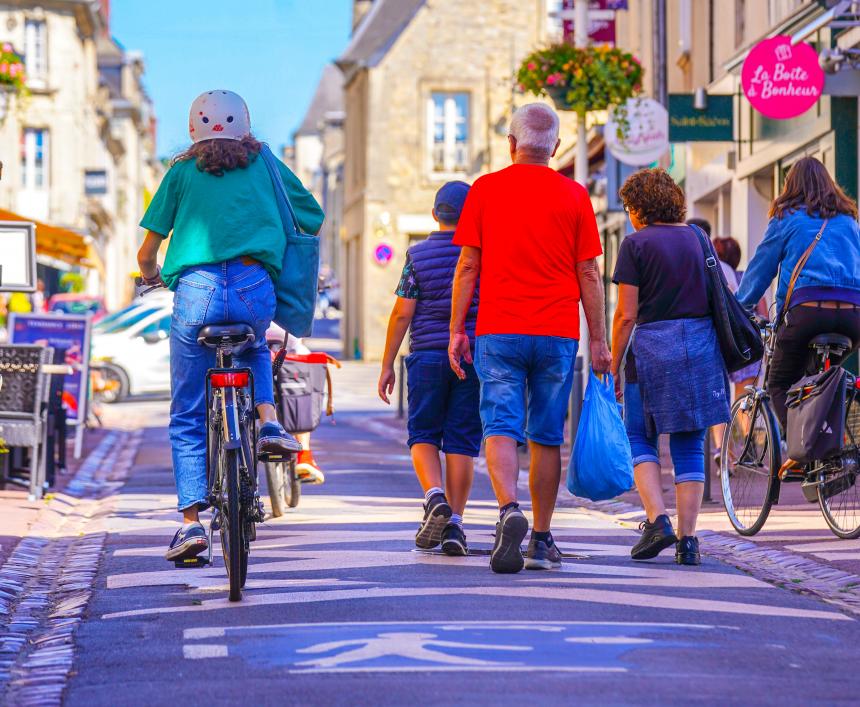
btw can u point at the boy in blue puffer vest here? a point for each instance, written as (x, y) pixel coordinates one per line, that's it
(443, 410)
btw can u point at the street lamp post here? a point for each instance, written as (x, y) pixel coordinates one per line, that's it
(580, 40)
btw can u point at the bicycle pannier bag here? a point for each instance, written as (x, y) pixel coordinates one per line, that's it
(739, 337)
(303, 387)
(816, 416)
(296, 288)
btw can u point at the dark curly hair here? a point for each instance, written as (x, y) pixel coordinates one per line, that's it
(655, 198)
(220, 155)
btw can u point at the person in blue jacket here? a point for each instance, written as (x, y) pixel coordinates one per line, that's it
(826, 296)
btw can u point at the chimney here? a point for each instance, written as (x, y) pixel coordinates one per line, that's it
(360, 8)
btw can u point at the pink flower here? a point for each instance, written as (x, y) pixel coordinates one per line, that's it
(531, 66)
(4, 68)
(7, 47)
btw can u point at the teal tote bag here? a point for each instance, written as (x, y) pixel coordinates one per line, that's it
(296, 288)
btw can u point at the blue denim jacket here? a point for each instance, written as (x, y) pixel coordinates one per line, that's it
(835, 262)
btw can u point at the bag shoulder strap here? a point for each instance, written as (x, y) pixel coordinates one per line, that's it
(798, 268)
(288, 216)
(712, 264)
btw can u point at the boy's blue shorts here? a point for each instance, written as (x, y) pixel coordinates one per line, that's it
(443, 410)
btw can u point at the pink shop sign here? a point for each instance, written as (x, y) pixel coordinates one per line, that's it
(782, 80)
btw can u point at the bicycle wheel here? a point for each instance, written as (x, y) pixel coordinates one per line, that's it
(838, 493)
(232, 542)
(749, 463)
(276, 478)
(292, 485)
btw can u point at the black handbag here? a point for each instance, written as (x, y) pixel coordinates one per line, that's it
(738, 335)
(816, 416)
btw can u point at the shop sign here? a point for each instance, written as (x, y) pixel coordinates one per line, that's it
(647, 138)
(601, 20)
(95, 182)
(780, 79)
(689, 124)
(71, 333)
(17, 256)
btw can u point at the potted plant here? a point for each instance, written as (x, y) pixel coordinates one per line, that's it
(12, 76)
(582, 79)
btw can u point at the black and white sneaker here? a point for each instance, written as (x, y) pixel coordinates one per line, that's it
(437, 513)
(542, 556)
(190, 540)
(656, 537)
(274, 440)
(454, 541)
(687, 551)
(507, 556)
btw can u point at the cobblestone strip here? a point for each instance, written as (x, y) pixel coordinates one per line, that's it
(46, 583)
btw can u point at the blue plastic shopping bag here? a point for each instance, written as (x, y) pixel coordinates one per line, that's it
(601, 466)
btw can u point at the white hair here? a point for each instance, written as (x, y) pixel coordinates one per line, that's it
(535, 127)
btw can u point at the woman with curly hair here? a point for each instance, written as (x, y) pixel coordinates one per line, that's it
(676, 381)
(226, 246)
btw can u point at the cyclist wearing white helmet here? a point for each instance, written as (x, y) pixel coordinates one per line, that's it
(226, 242)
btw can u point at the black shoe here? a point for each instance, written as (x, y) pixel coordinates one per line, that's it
(541, 556)
(189, 541)
(437, 513)
(507, 556)
(454, 541)
(687, 551)
(656, 537)
(274, 440)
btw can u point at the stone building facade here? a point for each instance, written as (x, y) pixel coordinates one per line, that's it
(429, 93)
(79, 150)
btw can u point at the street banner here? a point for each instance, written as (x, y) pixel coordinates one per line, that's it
(647, 138)
(601, 20)
(17, 256)
(690, 124)
(70, 332)
(780, 79)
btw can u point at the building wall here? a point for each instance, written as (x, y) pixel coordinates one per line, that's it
(389, 198)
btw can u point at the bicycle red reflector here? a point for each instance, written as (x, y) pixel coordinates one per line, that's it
(229, 380)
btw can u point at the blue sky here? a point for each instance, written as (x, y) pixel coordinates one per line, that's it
(270, 51)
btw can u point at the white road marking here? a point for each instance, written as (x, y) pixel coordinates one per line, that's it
(609, 640)
(199, 651)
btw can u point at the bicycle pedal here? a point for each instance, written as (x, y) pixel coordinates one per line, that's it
(191, 562)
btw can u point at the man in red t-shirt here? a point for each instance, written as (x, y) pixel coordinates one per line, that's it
(531, 235)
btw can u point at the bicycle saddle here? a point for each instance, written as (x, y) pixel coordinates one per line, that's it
(215, 335)
(832, 341)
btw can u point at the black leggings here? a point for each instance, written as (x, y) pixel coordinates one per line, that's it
(792, 352)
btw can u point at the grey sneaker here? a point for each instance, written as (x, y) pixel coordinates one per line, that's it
(437, 513)
(190, 540)
(541, 556)
(274, 440)
(507, 556)
(454, 541)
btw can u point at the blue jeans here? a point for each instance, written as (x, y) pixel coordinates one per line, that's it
(225, 293)
(443, 410)
(525, 377)
(688, 448)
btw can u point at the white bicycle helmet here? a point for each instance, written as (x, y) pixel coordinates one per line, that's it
(219, 115)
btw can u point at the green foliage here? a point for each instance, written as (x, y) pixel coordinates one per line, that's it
(72, 282)
(11, 69)
(582, 80)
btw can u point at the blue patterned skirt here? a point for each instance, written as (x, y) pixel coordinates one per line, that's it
(681, 375)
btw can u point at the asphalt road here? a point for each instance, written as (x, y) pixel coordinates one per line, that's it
(340, 609)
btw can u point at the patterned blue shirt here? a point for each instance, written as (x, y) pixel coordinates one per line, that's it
(408, 285)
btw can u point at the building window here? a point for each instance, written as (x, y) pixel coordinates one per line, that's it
(448, 134)
(34, 158)
(740, 21)
(35, 49)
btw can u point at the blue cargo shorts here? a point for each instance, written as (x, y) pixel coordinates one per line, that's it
(525, 385)
(443, 410)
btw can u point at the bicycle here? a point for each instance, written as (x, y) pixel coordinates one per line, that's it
(231, 461)
(751, 457)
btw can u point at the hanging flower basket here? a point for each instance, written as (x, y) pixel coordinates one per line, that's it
(581, 79)
(12, 76)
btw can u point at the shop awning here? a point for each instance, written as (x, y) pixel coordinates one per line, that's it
(60, 243)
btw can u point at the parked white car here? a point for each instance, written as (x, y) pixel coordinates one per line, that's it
(134, 354)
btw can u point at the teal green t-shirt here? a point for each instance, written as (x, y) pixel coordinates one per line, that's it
(214, 219)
